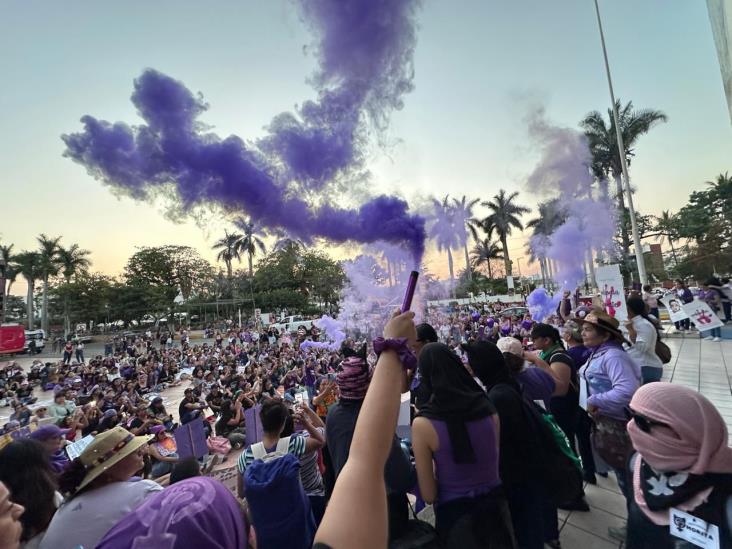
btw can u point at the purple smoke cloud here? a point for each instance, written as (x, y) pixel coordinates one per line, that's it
(365, 50)
(589, 217)
(333, 332)
(541, 304)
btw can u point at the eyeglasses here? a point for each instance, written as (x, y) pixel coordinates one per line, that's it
(643, 423)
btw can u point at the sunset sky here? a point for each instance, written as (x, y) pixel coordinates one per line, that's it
(479, 67)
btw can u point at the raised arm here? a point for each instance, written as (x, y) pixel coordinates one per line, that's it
(361, 482)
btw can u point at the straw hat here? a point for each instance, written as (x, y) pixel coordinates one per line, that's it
(600, 319)
(106, 450)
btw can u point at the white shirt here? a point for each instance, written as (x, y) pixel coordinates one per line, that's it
(85, 519)
(643, 351)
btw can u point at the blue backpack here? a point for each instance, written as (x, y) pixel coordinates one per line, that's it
(278, 504)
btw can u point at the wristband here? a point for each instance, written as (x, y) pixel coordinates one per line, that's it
(406, 356)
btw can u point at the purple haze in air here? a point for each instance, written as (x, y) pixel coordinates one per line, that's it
(563, 171)
(333, 332)
(542, 305)
(364, 49)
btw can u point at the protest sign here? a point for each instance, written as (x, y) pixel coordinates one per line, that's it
(610, 282)
(675, 307)
(75, 449)
(253, 425)
(702, 315)
(191, 439)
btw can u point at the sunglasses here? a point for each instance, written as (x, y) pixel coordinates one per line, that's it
(644, 424)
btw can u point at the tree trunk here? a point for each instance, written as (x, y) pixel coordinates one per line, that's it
(506, 258)
(670, 242)
(251, 269)
(542, 268)
(490, 270)
(229, 268)
(591, 261)
(388, 271)
(467, 261)
(44, 310)
(625, 237)
(452, 275)
(6, 294)
(67, 320)
(29, 305)
(550, 271)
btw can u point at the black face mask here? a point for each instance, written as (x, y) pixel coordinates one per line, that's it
(665, 490)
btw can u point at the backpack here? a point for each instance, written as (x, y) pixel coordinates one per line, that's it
(277, 502)
(560, 468)
(259, 452)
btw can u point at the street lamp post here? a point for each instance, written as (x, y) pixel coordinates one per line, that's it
(623, 163)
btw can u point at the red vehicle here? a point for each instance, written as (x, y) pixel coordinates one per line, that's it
(12, 338)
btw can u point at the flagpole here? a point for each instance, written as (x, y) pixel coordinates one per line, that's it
(623, 162)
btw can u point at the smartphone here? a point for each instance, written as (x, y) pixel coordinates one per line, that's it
(409, 294)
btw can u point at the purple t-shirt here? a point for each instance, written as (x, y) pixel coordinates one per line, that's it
(536, 384)
(459, 480)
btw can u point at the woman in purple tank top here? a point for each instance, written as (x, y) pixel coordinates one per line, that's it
(455, 442)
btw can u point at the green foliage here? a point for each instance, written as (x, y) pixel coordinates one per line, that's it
(169, 269)
(480, 284)
(289, 278)
(87, 297)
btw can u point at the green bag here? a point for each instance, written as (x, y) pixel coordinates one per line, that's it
(561, 439)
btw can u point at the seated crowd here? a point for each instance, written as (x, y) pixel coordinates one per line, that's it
(502, 436)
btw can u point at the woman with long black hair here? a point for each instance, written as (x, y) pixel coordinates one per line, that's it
(534, 520)
(455, 438)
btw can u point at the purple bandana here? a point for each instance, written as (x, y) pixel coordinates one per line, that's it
(196, 512)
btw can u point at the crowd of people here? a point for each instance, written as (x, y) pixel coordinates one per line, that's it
(509, 416)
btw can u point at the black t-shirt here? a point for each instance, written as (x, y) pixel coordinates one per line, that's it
(182, 410)
(566, 404)
(215, 400)
(340, 424)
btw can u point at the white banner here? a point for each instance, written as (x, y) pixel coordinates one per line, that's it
(610, 282)
(702, 315)
(675, 307)
(509, 282)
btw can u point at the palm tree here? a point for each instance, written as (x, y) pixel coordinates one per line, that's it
(229, 249)
(49, 254)
(504, 217)
(11, 273)
(288, 242)
(466, 223)
(667, 226)
(550, 217)
(484, 252)
(602, 138)
(29, 266)
(444, 231)
(251, 241)
(72, 260)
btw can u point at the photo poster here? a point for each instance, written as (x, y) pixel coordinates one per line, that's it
(702, 315)
(191, 439)
(675, 307)
(253, 425)
(612, 293)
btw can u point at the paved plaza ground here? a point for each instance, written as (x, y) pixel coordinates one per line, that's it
(705, 366)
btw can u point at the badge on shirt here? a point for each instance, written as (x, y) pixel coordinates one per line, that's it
(693, 529)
